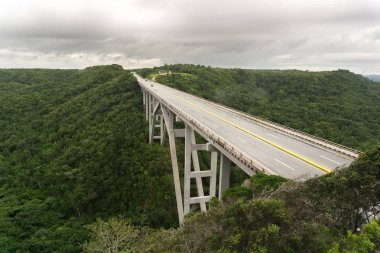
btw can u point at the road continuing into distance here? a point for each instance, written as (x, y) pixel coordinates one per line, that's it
(281, 153)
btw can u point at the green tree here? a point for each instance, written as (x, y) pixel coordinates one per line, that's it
(112, 236)
(366, 241)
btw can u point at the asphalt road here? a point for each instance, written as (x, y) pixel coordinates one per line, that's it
(281, 153)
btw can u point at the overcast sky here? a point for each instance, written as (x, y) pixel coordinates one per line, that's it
(274, 34)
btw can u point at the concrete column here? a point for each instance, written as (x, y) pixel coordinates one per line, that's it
(151, 130)
(151, 104)
(162, 130)
(150, 118)
(198, 180)
(168, 117)
(187, 170)
(214, 163)
(224, 175)
(146, 105)
(151, 126)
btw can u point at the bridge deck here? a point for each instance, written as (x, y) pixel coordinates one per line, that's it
(279, 152)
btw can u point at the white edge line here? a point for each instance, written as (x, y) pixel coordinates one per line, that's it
(284, 164)
(331, 160)
(273, 135)
(242, 140)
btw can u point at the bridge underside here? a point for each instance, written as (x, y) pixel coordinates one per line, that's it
(161, 123)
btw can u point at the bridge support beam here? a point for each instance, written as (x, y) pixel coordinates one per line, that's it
(148, 102)
(192, 170)
(168, 116)
(162, 130)
(198, 179)
(163, 118)
(156, 120)
(224, 175)
(144, 96)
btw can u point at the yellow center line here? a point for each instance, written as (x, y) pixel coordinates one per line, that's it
(263, 139)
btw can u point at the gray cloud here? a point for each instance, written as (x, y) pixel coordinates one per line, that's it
(317, 34)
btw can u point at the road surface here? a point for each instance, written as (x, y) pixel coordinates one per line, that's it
(281, 153)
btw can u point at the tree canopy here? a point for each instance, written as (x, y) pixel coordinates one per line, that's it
(73, 147)
(74, 158)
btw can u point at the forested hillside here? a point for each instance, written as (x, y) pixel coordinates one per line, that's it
(339, 106)
(268, 214)
(76, 172)
(73, 148)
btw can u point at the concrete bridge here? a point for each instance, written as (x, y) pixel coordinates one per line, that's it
(253, 144)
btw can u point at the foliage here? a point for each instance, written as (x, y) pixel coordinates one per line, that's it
(262, 182)
(258, 185)
(311, 216)
(344, 198)
(115, 235)
(236, 192)
(73, 148)
(328, 104)
(361, 243)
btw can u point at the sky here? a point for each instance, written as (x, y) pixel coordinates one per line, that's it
(267, 34)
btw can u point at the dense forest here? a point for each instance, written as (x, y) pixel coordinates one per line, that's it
(77, 174)
(271, 214)
(73, 148)
(339, 106)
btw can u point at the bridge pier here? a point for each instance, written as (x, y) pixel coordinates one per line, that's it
(147, 105)
(172, 133)
(156, 121)
(162, 118)
(224, 175)
(194, 155)
(192, 170)
(162, 130)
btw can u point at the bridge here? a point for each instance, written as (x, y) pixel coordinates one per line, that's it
(251, 143)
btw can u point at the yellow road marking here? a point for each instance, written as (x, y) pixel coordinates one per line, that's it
(264, 140)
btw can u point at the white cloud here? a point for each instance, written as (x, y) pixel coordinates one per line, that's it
(316, 34)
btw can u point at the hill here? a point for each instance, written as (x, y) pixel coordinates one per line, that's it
(375, 78)
(73, 148)
(339, 106)
(74, 156)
